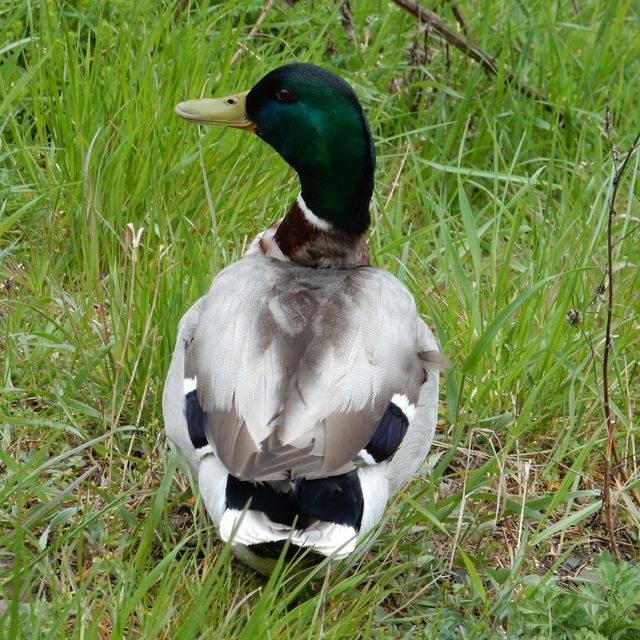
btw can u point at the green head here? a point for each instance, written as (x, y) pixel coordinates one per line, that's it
(313, 119)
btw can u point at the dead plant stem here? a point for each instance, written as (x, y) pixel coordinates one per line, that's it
(489, 63)
(610, 448)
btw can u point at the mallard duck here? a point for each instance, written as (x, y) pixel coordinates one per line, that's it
(303, 390)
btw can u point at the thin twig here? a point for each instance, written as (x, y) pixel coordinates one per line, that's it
(261, 18)
(618, 172)
(488, 62)
(609, 421)
(626, 235)
(396, 180)
(131, 243)
(460, 18)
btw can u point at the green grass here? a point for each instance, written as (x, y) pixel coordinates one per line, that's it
(491, 207)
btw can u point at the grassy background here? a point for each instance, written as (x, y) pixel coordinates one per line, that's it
(492, 207)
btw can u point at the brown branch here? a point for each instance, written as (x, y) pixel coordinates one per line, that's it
(610, 425)
(460, 17)
(488, 62)
(609, 421)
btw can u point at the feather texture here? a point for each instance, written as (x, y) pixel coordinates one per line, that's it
(296, 367)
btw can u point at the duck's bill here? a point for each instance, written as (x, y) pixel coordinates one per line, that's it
(227, 112)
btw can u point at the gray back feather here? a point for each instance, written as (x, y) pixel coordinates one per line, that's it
(296, 365)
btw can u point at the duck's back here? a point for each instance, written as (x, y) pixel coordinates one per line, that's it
(292, 370)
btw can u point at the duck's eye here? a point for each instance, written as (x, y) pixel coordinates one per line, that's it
(284, 95)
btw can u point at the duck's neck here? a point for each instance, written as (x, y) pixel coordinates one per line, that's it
(336, 173)
(326, 226)
(309, 239)
(340, 193)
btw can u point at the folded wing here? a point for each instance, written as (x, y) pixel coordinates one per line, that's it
(294, 369)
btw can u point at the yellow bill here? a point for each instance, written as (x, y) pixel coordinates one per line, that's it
(227, 112)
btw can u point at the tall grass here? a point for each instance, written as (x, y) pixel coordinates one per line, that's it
(491, 207)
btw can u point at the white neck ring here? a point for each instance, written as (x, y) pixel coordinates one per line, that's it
(311, 217)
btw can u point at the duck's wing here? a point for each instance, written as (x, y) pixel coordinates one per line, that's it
(420, 433)
(173, 396)
(295, 369)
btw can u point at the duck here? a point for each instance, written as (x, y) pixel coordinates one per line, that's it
(303, 390)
